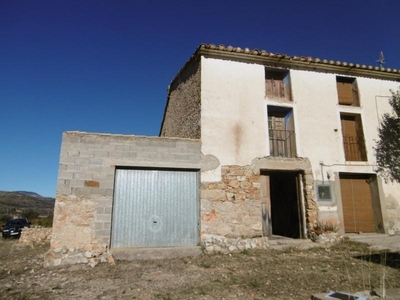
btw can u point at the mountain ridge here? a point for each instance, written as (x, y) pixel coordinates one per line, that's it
(12, 203)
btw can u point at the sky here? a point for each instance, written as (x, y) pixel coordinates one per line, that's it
(104, 66)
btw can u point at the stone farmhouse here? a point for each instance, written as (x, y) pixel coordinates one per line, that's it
(252, 145)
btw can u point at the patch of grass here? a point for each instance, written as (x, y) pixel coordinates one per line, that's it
(245, 252)
(205, 265)
(255, 284)
(348, 245)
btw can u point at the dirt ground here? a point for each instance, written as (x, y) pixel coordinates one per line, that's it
(256, 274)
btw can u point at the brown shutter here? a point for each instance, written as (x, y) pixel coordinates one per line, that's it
(356, 100)
(358, 213)
(345, 93)
(268, 87)
(353, 138)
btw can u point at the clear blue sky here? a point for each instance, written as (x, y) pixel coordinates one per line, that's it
(104, 66)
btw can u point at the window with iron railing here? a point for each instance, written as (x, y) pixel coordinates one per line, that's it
(354, 148)
(282, 139)
(353, 138)
(282, 143)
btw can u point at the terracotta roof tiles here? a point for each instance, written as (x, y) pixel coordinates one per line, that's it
(256, 52)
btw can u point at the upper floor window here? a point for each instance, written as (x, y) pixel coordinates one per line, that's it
(347, 91)
(277, 84)
(353, 138)
(282, 140)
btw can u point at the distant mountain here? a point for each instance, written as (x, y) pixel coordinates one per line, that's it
(33, 194)
(11, 202)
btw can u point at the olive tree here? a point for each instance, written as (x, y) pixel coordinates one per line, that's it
(388, 144)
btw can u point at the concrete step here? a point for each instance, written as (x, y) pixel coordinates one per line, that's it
(281, 243)
(154, 253)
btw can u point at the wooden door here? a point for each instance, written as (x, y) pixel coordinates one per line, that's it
(358, 213)
(266, 205)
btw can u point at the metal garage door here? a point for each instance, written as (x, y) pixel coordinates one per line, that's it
(358, 213)
(155, 208)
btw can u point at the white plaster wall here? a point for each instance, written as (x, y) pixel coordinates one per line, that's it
(317, 120)
(234, 120)
(233, 114)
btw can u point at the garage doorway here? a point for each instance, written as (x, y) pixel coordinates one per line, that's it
(282, 204)
(155, 208)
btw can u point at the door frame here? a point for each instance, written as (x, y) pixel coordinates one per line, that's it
(265, 195)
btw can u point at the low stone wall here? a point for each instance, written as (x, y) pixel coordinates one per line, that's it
(35, 235)
(70, 256)
(220, 244)
(326, 237)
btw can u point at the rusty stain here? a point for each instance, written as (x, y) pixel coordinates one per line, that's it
(237, 134)
(91, 183)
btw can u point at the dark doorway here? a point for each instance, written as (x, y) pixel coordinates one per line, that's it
(285, 213)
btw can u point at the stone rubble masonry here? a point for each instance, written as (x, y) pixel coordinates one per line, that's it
(232, 207)
(83, 208)
(302, 165)
(35, 235)
(219, 244)
(182, 112)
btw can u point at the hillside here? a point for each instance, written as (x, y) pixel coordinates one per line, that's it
(11, 202)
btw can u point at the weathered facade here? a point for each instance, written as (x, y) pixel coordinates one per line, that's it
(284, 110)
(83, 215)
(252, 145)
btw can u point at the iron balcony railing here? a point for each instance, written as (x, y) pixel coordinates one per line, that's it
(354, 148)
(282, 143)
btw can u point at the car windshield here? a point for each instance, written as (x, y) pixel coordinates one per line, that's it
(15, 222)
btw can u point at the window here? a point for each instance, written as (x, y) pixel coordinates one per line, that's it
(353, 138)
(277, 84)
(282, 140)
(324, 193)
(347, 91)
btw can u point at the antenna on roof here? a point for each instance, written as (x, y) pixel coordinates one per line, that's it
(381, 59)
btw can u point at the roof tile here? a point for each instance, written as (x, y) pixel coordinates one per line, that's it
(257, 52)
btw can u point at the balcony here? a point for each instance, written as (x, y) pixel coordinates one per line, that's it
(354, 148)
(282, 143)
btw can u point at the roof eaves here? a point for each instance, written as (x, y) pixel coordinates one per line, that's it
(300, 62)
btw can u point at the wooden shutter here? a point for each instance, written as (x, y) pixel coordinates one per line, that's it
(358, 215)
(274, 88)
(353, 138)
(345, 93)
(356, 100)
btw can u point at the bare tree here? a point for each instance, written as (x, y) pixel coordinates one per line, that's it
(388, 144)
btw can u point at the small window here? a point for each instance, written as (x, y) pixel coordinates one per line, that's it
(277, 84)
(324, 193)
(347, 91)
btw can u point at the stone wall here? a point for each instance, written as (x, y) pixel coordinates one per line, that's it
(83, 208)
(35, 235)
(302, 165)
(182, 113)
(232, 207)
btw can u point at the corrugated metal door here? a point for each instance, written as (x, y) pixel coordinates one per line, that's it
(357, 205)
(155, 208)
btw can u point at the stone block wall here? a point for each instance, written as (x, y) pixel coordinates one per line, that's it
(83, 208)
